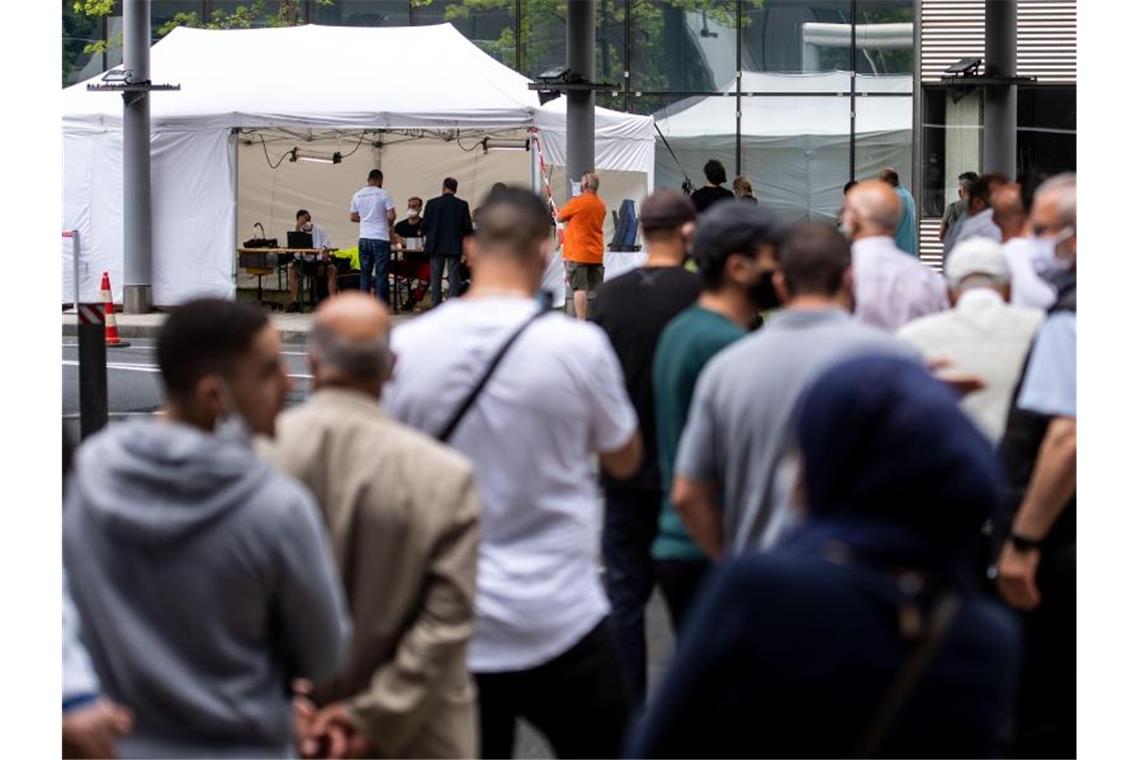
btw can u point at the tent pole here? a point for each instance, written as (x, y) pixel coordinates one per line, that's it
(137, 268)
(234, 216)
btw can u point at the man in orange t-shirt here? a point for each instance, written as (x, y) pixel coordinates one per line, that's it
(584, 244)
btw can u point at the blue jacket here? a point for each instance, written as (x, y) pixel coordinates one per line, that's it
(790, 656)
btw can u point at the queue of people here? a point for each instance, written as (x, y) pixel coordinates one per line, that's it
(861, 515)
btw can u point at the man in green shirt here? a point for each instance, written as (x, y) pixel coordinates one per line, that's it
(735, 249)
(956, 210)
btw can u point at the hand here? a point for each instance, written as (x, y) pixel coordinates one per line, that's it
(304, 712)
(90, 731)
(959, 382)
(1017, 573)
(334, 734)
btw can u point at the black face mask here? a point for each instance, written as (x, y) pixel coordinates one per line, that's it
(763, 292)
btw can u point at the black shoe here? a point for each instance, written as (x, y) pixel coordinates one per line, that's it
(408, 306)
(293, 308)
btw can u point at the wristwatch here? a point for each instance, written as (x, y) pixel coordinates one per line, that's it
(1023, 544)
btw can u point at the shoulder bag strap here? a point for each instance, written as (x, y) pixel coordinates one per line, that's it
(449, 429)
(915, 666)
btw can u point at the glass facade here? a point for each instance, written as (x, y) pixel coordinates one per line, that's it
(797, 95)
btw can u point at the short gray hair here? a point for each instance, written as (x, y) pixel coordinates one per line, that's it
(1065, 185)
(361, 359)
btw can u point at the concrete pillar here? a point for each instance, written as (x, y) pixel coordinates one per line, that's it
(137, 295)
(580, 26)
(999, 139)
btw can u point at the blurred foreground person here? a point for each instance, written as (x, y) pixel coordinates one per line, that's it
(528, 395)
(91, 723)
(735, 466)
(1037, 568)
(633, 309)
(983, 334)
(202, 575)
(891, 287)
(406, 545)
(860, 634)
(735, 248)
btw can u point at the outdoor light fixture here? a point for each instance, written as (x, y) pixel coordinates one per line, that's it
(315, 158)
(489, 144)
(119, 76)
(965, 67)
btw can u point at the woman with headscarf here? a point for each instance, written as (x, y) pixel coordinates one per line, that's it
(860, 635)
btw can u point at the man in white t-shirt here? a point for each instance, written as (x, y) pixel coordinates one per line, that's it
(375, 210)
(543, 649)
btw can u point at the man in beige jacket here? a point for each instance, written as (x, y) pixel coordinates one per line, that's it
(403, 515)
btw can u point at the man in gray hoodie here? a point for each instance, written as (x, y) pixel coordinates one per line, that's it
(203, 576)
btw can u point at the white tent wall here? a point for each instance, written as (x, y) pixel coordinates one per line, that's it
(192, 205)
(796, 150)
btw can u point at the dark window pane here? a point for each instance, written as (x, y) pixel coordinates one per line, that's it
(489, 23)
(683, 46)
(884, 33)
(1046, 132)
(363, 13)
(792, 36)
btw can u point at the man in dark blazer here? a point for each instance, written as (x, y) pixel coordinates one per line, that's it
(447, 220)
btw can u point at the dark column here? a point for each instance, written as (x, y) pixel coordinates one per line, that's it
(137, 296)
(999, 115)
(580, 30)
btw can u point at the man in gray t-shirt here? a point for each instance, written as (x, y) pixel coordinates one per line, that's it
(737, 443)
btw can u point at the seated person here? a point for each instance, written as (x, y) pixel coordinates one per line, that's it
(311, 264)
(415, 265)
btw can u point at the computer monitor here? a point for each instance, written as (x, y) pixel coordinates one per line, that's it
(298, 239)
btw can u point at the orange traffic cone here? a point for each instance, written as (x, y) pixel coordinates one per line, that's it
(111, 332)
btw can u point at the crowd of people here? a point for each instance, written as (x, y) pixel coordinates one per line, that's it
(861, 514)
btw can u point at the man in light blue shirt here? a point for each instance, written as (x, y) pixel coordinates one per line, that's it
(906, 236)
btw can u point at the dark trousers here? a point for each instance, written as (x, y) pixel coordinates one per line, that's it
(627, 536)
(680, 581)
(437, 264)
(374, 255)
(1046, 722)
(578, 701)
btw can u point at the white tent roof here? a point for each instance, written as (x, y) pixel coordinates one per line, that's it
(622, 141)
(319, 77)
(778, 115)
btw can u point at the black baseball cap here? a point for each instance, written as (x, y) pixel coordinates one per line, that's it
(736, 226)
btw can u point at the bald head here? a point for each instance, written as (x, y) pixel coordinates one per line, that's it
(1009, 211)
(872, 207)
(349, 343)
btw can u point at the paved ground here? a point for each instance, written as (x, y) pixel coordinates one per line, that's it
(133, 388)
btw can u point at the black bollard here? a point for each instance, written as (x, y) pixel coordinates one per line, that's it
(92, 369)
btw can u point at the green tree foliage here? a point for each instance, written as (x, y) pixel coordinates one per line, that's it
(255, 13)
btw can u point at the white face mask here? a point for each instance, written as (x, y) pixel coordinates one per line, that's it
(413, 213)
(1045, 257)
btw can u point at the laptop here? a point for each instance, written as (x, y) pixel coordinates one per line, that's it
(298, 239)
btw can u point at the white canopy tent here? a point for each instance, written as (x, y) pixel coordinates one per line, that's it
(794, 148)
(314, 87)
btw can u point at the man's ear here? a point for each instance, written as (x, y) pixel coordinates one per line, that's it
(688, 229)
(207, 399)
(780, 284)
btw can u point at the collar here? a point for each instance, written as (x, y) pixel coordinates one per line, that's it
(875, 241)
(348, 399)
(799, 319)
(978, 297)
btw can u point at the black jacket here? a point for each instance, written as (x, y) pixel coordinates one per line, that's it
(447, 220)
